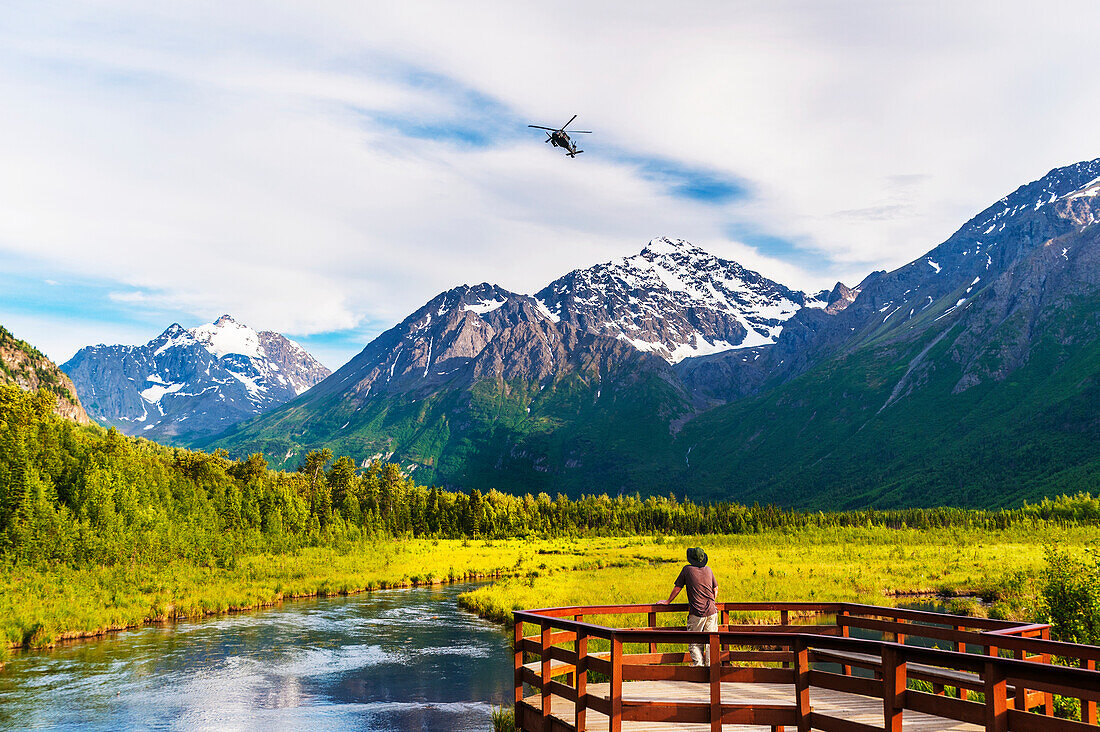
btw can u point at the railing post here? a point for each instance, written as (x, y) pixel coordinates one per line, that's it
(547, 702)
(802, 684)
(519, 660)
(961, 648)
(725, 624)
(615, 724)
(784, 619)
(996, 698)
(1021, 691)
(653, 624)
(1048, 698)
(1088, 707)
(581, 708)
(845, 631)
(894, 681)
(715, 684)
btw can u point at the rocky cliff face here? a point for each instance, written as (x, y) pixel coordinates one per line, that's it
(192, 381)
(675, 300)
(25, 366)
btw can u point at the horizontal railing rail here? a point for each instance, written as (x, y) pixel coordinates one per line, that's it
(992, 691)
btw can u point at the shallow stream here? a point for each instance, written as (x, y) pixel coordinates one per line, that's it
(395, 660)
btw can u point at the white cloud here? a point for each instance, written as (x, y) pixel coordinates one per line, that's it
(213, 159)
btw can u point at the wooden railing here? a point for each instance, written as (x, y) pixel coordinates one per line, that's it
(897, 662)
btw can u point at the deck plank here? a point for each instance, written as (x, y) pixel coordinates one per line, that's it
(851, 707)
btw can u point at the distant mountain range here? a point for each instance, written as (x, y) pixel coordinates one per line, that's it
(188, 383)
(968, 376)
(28, 368)
(483, 386)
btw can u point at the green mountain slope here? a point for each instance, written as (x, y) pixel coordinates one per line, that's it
(515, 435)
(887, 424)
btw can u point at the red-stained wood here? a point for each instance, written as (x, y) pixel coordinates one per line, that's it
(715, 684)
(802, 685)
(944, 706)
(616, 713)
(893, 688)
(1048, 699)
(844, 633)
(546, 675)
(581, 708)
(1088, 707)
(518, 637)
(996, 699)
(1029, 677)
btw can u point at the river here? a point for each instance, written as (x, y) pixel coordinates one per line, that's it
(394, 660)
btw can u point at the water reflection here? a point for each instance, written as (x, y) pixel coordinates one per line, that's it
(398, 660)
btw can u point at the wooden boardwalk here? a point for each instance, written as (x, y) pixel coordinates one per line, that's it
(998, 676)
(849, 707)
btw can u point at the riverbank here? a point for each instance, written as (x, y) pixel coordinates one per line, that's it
(39, 607)
(876, 566)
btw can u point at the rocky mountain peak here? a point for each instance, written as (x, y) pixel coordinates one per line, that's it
(674, 299)
(192, 381)
(1070, 181)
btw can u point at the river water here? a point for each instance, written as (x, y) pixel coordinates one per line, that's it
(395, 660)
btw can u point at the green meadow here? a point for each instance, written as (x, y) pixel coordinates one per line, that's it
(879, 566)
(41, 606)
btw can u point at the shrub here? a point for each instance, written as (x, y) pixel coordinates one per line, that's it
(1071, 596)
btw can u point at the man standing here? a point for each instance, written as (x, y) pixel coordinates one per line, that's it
(702, 592)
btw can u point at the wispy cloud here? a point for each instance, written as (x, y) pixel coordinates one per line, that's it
(323, 169)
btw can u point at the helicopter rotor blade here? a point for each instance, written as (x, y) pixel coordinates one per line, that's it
(570, 120)
(580, 132)
(540, 127)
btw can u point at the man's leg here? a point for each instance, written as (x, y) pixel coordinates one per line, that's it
(710, 624)
(697, 650)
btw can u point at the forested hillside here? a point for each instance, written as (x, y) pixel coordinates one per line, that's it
(83, 495)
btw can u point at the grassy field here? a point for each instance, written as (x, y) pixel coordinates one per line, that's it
(873, 566)
(39, 607)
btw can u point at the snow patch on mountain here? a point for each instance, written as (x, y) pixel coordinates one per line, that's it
(209, 377)
(675, 300)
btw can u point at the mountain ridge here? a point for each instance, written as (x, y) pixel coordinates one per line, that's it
(192, 381)
(486, 387)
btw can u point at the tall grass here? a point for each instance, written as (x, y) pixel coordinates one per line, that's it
(871, 565)
(39, 606)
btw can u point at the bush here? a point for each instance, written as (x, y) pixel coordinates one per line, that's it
(1071, 596)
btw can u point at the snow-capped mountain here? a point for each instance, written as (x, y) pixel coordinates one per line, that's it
(675, 300)
(968, 376)
(469, 333)
(950, 281)
(192, 381)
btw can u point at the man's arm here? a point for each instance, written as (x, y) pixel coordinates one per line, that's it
(675, 591)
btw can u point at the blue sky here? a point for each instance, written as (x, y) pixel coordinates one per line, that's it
(323, 169)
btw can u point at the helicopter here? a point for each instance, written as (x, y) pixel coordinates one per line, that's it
(560, 138)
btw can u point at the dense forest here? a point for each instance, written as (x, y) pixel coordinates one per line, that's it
(84, 495)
